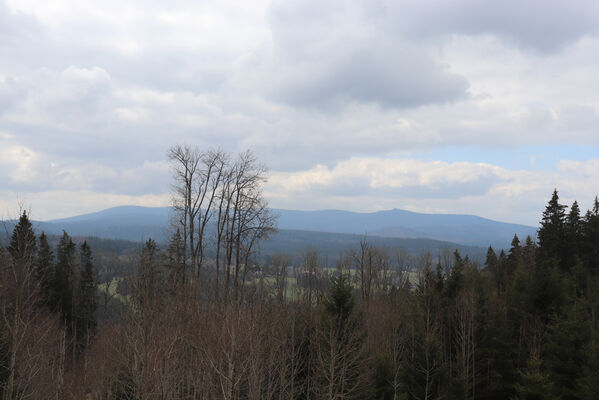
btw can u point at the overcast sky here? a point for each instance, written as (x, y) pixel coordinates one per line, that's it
(457, 106)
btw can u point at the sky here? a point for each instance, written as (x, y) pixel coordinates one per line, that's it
(452, 106)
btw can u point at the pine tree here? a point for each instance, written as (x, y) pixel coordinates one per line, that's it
(564, 351)
(65, 278)
(514, 256)
(573, 234)
(176, 259)
(340, 345)
(552, 234)
(590, 233)
(148, 283)
(44, 265)
(23, 246)
(86, 296)
(340, 302)
(529, 251)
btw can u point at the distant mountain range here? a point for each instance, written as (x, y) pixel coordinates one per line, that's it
(462, 229)
(329, 230)
(139, 223)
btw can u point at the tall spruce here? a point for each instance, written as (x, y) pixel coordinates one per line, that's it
(176, 259)
(86, 296)
(552, 234)
(573, 233)
(148, 280)
(65, 278)
(23, 246)
(529, 251)
(44, 266)
(514, 256)
(591, 237)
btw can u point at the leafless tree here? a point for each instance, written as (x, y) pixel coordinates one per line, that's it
(218, 201)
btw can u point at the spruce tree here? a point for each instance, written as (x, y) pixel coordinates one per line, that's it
(529, 251)
(176, 259)
(23, 246)
(341, 342)
(552, 235)
(514, 256)
(148, 283)
(44, 265)
(491, 261)
(590, 233)
(65, 278)
(86, 296)
(573, 234)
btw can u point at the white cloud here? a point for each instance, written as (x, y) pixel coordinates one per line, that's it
(369, 184)
(336, 97)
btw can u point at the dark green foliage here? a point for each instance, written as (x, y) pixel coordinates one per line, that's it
(340, 343)
(23, 246)
(565, 352)
(535, 384)
(149, 277)
(552, 232)
(86, 294)
(44, 266)
(176, 259)
(590, 231)
(65, 279)
(340, 302)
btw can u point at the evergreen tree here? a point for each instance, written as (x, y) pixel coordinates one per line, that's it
(86, 296)
(573, 234)
(535, 384)
(590, 233)
(514, 256)
(148, 283)
(340, 345)
(176, 259)
(529, 251)
(23, 246)
(340, 302)
(44, 265)
(552, 234)
(565, 353)
(65, 278)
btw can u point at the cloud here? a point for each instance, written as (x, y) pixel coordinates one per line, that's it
(346, 100)
(328, 54)
(545, 26)
(25, 170)
(369, 184)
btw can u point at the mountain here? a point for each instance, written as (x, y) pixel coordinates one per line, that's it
(330, 231)
(139, 223)
(463, 229)
(126, 223)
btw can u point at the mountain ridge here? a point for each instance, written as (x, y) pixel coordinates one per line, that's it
(138, 223)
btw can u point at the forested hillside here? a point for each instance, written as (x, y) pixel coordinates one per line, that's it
(521, 326)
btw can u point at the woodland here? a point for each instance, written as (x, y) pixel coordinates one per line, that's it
(204, 317)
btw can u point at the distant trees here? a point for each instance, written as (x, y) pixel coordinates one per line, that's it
(381, 325)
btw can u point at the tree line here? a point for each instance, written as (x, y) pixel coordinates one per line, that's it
(48, 305)
(382, 325)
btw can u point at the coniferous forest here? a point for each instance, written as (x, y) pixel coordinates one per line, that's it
(185, 323)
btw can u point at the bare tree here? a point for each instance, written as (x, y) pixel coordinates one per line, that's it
(197, 176)
(218, 201)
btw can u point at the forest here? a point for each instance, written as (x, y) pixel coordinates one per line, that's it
(202, 318)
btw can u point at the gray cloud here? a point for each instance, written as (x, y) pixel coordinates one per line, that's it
(321, 61)
(98, 95)
(541, 25)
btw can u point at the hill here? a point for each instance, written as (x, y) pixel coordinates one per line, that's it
(139, 223)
